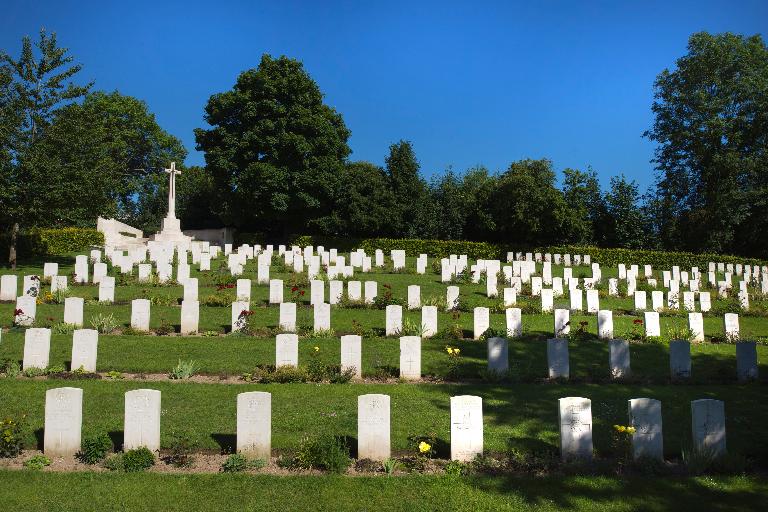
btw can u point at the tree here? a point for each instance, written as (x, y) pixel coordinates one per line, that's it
(409, 188)
(365, 207)
(275, 151)
(711, 124)
(41, 83)
(582, 194)
(112, 145)
(526, 207)
(627, 226)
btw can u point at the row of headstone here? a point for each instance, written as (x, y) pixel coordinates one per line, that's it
(575, 420)
(64, 416)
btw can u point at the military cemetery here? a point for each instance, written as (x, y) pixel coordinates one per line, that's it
(288, 328)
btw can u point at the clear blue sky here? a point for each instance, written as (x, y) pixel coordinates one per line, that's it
(468, 83)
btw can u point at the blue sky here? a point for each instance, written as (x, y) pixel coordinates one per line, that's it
(469, 83)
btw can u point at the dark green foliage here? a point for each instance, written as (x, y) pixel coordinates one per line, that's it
(139, 459)
(12, 436)
(235, 463)
(326, 452)
(275, 151)
(711, 124)
(93, 449)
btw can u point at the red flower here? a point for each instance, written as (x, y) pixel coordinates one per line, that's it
(294, 288)
(17, 312)
(302, 292)
(245, 313)
(637, 321)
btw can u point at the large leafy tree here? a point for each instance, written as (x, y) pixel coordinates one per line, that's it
(105, 157)
(41, 82)
(527, 207)
(711, 123)
(412, 218)
(365, 206)
(625, 222)
(275, 150)
(582, 194)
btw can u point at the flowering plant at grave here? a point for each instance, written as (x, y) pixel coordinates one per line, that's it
(224, 286)
(621, 441)
(424, 447)
(20, 318)
(296, 293)
(454, 362)
(243, 321)
(580, 333)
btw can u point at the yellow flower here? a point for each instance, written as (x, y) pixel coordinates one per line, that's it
(622, 428)
(317, 349)
(630, 430)
(424, 447)
(456, 351)
(449, 350)
(616, 427)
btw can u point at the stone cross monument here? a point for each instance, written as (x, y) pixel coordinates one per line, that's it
(171, 226)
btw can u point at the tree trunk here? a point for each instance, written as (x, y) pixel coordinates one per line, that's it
(12, 248)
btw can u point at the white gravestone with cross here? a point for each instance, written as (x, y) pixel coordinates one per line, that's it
(410, 357)
(466, 427)
(286, 350)
(645, 417)
(575, 419)
(171, 226)
(37, 346)
(708, 426)
(142, 419)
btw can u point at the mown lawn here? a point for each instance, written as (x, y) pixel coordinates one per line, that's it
(522, 414)
(235, 354)
(35, 491)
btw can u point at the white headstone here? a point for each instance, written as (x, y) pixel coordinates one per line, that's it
(575, 419)
(746, 361)
(63, 421)
(393, 320)
(37, 347)
(498, 355)
(142, 420)
(410, 357)
(605, 324)
(373, 439)
(466, 427)
(680, 359)
(414, 296)
(322, 317)
(9, 283)
(645, 417)
(140, 314)
(288, 316)
(237, 318)
(557, 358)
(696, 325)
(452, 298)
(514, 317)
(351, 354)
(286, 350)
(708, 426)
(85, 343)
(562, 322)
(73, 311)
(429, 321)
(26, 310)
(652, 326)
(482, 321)
(618, 358)
(107, 289)
(254, 424)
(190, 316)
(275, 291)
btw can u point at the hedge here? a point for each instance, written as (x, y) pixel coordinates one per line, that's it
(485, 250)
(611, 257)
(41, 242)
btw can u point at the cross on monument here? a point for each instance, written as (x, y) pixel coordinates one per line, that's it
(172, 173)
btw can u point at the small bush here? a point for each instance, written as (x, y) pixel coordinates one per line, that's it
(12, 436)
(11, 368)
(139, 459)
(34, 371)
(104, 323)
(326, 452)
(180, 455)
(94, 449)
(238, 462)
(184, 370)
(62, 328)
(115, 462)
(37, 462)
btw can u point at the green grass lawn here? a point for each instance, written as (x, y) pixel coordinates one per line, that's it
(35, 491)
(523, 414)
(235, 354)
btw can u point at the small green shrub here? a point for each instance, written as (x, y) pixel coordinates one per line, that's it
(138, 459)
(11, 368)
(54, 369)
(181, 448)
(115, 462)
(455, 468)
(62, 328)
(238, 462)
(34, 371)
(390, 466)
(184, 370)
(94, 449)
(104, 323)
(12, 436)
(37, 462)
(326, 452)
